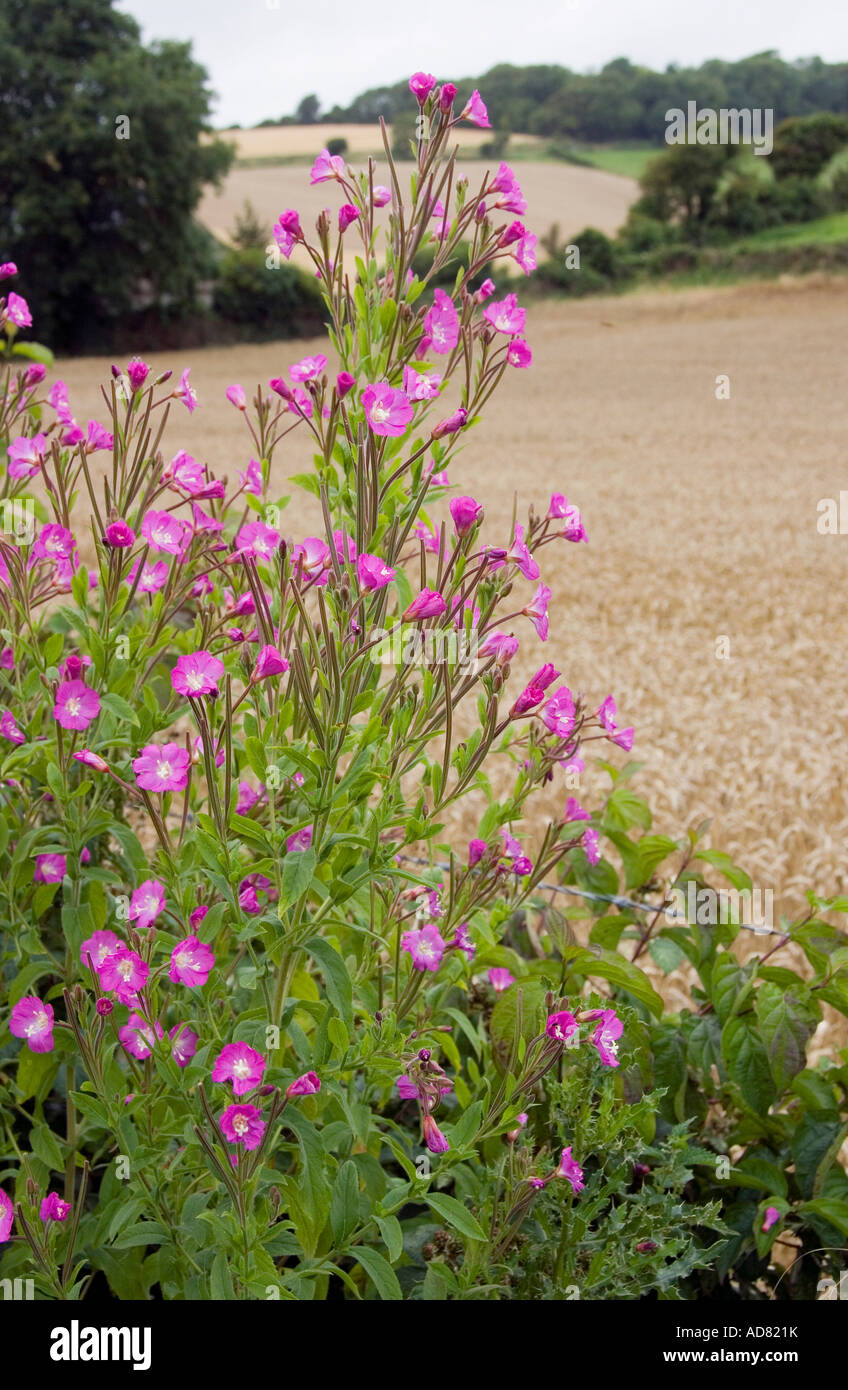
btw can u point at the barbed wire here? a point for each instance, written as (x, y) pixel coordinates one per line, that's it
(758, 928)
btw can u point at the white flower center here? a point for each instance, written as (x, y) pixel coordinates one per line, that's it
(380, 413)
(241, 1068)
(240, 1124)
(38, 1025)
(73, 706)
(125, 969)
(163, 770)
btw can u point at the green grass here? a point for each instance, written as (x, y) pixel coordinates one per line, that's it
(824, 231)
(629, 162)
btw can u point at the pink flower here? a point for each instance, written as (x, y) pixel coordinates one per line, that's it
(382, 195)
(104, 1007)
(308, 368)
(33, 1021)
(287, 230)
(307, 1085)
(97, 947)
(772, 1215)
(421, 85)
(147, 903)
(591, 844)
(125, 972)
(520, 555)
(466, 513)
(17, 310)
(505, 316)
(345, 381)
(327, 166)
(574, 811)
(240, 1064)
(54, 542)
(197, 916)
(558, 713)
(570, 1169)
(9, 728)
(50, 868)
(561, 1026)
(183, 1044)
(53, 1208)
(97, 438)
(519, 354)
(407, 1089)
(501, 645)
(347, 214)
(25, 454)
(475, 111)
(164, 769)
(452, 425)
(119, 535)
(312, 557)
(534, 693)
(387, 410)
(372, 572)
(428, 604)
(462, 941)
(76, 705)
(8, 268)
(247, 799)
(7, 1217)
(537, 610)
(476, 850)
(191, 962)
(433, 1137)
(164, 532)
(186, 392)
(251, 478)
(301, 840)
(574, 530)
(609, 1029)
(153, 576)
(426, 947)
(607, 714)
(269, 662)
(139, 1037)
(419, 386)
(197, 674)
(235, 395)
(525, 255)
(258, 540)
(500, 979)
(243, 1124)
(137, 373)
(441, 322)
(185, 473)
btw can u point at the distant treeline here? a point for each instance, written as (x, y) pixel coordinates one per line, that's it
(623, 101)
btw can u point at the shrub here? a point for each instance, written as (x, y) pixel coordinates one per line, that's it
(269, 1028)
(270, 301)
(337, 145)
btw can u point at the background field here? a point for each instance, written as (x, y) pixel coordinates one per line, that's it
(702, 522)
(570, 195)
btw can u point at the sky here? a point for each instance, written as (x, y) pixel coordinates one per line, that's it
(263, 56)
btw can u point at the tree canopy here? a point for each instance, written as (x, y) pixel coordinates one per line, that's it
(104, 160)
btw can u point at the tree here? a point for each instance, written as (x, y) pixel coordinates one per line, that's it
(309, 110)
(104, 162)
(804, 144)
(680, 184)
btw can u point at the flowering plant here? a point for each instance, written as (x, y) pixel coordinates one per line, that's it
(266, 1028)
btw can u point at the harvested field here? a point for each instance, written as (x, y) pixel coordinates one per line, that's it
(565, 194)
(702, 518)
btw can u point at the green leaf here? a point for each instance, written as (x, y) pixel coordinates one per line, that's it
(296, 876)
(748, 1064)
(786, 1023)
(390, 1230)
(220, 1280)
(830, 1209)
(336, 979)
(456, 1215)
(120, 708)
(344, 1207)
(142, 1233)
(379, 1271)
(45, 1146)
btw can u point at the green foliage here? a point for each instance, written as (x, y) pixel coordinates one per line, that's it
(804, 144)
(268, 301)
(104, 165)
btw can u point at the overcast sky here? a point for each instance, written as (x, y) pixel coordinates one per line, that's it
(264, 55)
